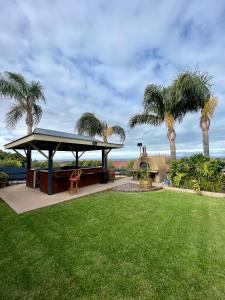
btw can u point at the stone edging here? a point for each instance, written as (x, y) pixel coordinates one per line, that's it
(203, 193)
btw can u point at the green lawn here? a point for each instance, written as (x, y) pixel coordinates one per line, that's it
(111, 245)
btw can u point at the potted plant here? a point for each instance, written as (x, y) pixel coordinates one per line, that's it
(3, 179)
(144, 180)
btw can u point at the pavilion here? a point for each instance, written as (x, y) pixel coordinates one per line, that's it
(52, 141)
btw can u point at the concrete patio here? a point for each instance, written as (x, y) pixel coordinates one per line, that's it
(23, 199)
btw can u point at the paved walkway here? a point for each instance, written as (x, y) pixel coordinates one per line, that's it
(22, 199)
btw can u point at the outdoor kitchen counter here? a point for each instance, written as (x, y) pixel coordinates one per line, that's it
(60, 178)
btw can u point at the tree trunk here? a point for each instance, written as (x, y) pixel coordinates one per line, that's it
(171, 134)
(205, 137)
(29, 122)
(204, 124)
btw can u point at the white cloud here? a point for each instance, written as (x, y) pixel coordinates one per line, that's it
(98, 56)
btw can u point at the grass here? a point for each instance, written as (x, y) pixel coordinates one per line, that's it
(159, 245)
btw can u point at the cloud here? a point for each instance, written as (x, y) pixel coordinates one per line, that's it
(98, 56)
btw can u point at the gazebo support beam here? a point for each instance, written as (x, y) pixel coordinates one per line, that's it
(28, 158)
(56, 148)
(103, 158)
(41, 152)
(50, 167)
(77, 159)
(81, 154)
(76, 155)
(17, 152)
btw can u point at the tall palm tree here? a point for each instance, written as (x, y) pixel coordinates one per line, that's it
(194, 89)
(159, 108)
(26, 96)
(89, 124)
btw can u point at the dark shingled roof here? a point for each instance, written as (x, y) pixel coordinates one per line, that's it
(64, 134)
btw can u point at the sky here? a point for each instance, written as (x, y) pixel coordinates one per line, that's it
(98, 56)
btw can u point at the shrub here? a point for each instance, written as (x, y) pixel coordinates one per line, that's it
(143, 174)
(7, 162)
(198, 173)
(3, 177)
(44, 164)
(12, 156)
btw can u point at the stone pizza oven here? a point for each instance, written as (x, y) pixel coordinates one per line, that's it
(157, 166)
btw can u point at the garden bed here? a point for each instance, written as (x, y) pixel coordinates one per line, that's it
(134, 187)
(203, 193)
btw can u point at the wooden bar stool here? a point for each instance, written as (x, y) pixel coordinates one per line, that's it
(74, 179)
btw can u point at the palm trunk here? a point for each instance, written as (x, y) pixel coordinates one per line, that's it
(171, 134)
(204, 124)
(205, 137)
(29, 122)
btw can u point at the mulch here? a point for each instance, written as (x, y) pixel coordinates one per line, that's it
(134, 187)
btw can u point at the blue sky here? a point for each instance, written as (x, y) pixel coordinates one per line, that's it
(98, 56)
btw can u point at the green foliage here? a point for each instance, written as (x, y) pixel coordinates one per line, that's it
(143, 174)
(4, 177)
(10, 163)
(130, 164)
(11, 159)
(110, 164)
(26, 97)
(89, 124)
(89, 163)
(196, 185)
(199, 173)
(192, 90)
(44, 164)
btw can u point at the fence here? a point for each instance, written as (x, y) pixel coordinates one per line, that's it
(15, 174)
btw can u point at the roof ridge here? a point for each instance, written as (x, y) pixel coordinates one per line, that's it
(55, 132)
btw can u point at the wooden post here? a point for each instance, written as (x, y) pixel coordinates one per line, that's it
(28, 158)
(50, 166)
(77, 159)
(106, 160)
(103, 158)
(28, 164)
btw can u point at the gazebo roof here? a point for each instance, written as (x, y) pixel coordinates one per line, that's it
(44, 139)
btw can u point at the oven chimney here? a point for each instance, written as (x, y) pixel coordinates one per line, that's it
(144, 151)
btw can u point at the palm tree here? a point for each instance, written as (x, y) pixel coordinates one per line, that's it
(26, 96)
(89, 124)
(159, 108)
(194, 89)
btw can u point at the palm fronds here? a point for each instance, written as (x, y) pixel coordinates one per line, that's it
(14, 115)
(89, 124)
(118, 130)
(209, 108)
(36, 91)
(25, 95)
(192, 90)
(37, 113)
(145, 118)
